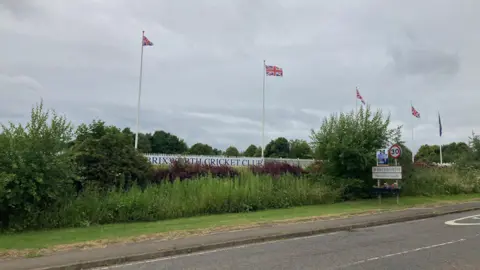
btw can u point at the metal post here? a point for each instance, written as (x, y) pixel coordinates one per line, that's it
(263, 110)
(139, 93)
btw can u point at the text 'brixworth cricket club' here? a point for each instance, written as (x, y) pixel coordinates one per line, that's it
(213, 161)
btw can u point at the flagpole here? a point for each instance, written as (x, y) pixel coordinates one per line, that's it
(441, 160)
(356, 100)
(440, 133)
(263, 110)
(413, 127)
(139, 92)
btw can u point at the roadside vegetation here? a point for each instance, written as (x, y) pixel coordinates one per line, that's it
(53, 175)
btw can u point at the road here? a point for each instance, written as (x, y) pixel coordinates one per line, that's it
(448, 242)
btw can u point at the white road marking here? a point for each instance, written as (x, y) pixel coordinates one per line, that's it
(401, 253)
(210, 251)
(456, 223)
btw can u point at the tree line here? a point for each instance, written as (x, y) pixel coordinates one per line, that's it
(162, 142)
(451, 153)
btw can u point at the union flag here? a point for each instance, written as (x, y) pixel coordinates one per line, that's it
(274, 71)
(146, 42)
(360, 97)
(415, 112)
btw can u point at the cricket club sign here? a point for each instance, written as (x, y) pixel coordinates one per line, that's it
(206, 160)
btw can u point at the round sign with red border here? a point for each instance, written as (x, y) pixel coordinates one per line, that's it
(395, 151)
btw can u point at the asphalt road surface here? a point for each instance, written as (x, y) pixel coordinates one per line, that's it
(448, 242)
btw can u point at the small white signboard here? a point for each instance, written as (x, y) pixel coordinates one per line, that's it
(387, 172)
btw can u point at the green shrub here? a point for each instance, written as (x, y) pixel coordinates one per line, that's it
(36, 168)
(347, 144)
(441, 181)
(104, 155)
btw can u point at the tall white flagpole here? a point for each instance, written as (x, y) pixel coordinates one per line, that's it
(440, 133)
(413, 127)
(356, 100)
(263, 109)
(441, 159)
(139, 92)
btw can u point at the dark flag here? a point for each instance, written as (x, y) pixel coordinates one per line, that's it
(439, 125)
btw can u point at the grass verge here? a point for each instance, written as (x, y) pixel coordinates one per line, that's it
(41, 242)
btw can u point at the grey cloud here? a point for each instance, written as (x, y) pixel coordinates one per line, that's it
(276, 118)
(21, 8)
(425, 62)
(203, 77)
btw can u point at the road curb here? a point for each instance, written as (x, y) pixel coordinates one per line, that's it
(199, 248)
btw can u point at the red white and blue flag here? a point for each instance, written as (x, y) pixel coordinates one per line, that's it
(146, 42)
(415, 112)
(360, 97)
(274, 71)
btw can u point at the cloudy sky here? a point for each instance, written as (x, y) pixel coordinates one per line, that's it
(202, 79)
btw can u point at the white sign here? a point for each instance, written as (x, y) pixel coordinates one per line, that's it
(206, 160)
(384, 172)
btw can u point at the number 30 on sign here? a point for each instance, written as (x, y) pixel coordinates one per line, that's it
(395, 151)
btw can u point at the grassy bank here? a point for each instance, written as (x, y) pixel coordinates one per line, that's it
(188, 198)
(27, 242)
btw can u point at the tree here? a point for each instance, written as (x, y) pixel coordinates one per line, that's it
(300, 149)
(474, 143)
(167, 143)
(428, 153)
(250, 151)
(201, 149)
(347, 142)
(217, 152)
(104, 155)
(453, 152)
(232, 151)
(258, 153)
(36, 167)
(450, 152)
(278, 148)
(471, 159)
(144, 140)
(405, 159)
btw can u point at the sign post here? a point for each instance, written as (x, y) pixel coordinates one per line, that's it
(395, 152)
(388, 173)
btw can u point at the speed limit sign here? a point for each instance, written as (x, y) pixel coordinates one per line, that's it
(395, 151)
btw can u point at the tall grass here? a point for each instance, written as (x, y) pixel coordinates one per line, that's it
(441, 181)
(187, 198)
(243, 193)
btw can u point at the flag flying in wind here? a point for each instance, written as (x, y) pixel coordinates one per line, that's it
(146, 42)
(274, 71)
(360, 97)
(415, 113)
(440, 125)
